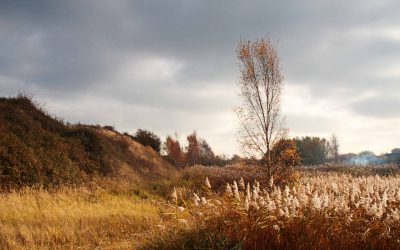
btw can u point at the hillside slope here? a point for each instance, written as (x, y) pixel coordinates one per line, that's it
(38, 149)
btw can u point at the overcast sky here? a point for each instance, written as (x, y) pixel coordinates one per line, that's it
(170, 66)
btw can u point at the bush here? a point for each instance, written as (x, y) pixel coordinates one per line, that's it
(148, 138)
(285, 153)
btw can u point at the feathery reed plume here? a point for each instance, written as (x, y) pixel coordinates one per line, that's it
(229, 189)
(207, 183)
(248, 192)
(271, 182)
(174, 196)
(246, 203)
(196, 199)
(241, 183)
(236, 191)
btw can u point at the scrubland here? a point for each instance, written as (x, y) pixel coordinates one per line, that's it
(233, 207)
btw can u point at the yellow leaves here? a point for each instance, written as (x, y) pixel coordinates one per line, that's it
(285, 153)
(244, 52)
(261, 48)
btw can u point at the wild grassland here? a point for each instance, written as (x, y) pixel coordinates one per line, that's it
(240, 209)
(323, 210)
(72, 218)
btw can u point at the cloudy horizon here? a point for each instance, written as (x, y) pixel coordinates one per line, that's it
(171, 66)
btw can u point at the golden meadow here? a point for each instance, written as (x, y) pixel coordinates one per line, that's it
(234, 207)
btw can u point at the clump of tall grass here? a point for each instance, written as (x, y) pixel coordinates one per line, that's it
(334, 210)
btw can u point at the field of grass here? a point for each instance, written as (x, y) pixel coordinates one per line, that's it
(73, 218)
(237, 208)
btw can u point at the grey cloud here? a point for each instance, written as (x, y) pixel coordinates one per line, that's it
(309, 124)
(379, 106)
(67, 50)
(83, 42)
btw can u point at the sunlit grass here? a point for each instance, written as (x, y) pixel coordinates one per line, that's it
(73, 218)
(329, 209)
(323, 209)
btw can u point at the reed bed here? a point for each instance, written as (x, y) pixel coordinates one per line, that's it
(327, 210)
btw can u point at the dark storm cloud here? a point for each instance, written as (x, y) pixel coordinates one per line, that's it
(61, 46)
(177, 58)
(71, 43)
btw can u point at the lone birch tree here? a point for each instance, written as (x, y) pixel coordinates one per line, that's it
(261, 124)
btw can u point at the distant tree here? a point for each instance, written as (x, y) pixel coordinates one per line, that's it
(334, 148)
(174, 153)
(312, 150)
(220, 160)
(207, 156)
(260, 87)
(235, 158)
(148, 138)
(396, 151)
(197, 151)
(366, 153)
(284, 153)
(193, 149)
(347, 158)
(394, 156)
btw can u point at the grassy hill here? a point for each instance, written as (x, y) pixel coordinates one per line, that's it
(39, 149)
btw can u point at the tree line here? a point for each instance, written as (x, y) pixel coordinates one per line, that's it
(196, 151)
(287, 152)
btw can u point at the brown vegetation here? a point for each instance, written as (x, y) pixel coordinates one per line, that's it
(333, 211)
(38, 149)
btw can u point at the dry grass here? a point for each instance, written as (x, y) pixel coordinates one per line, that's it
(322, 209)
(326, 210)
(219, 176)
(73, 218)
